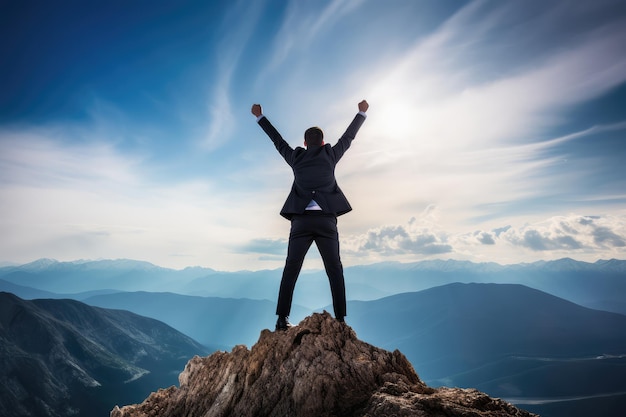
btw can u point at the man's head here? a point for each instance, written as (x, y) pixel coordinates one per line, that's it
(313, 136)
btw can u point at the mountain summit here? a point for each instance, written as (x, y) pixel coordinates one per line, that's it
(318, 368)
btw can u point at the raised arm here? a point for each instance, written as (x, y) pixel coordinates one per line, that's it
(346, 139)
(281, 145)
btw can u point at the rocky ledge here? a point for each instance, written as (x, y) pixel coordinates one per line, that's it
(318, 368)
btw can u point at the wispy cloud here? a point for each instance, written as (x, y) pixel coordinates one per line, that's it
(304, 24)
(71, 195)
(237, 29)
(465, 121)
(48, 157)
(448, 129)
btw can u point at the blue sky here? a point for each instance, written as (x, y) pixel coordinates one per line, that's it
(496, 129)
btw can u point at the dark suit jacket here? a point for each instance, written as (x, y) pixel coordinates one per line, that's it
(314, 171)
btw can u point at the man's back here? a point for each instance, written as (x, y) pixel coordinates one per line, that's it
(314, 168)
(314, 171)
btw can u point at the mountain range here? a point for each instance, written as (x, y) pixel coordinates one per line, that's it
(461, 324)
(508, 340)
(598, 285)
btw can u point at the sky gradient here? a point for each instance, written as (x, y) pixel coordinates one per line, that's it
(496, 129)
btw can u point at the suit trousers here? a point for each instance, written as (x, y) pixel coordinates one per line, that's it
(321, 228)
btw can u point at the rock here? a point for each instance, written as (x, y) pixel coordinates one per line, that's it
(318, 368)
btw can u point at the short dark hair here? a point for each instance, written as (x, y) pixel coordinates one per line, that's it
(314, 136)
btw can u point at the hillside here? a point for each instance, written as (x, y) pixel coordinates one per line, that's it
(508, 340)
(62, 357)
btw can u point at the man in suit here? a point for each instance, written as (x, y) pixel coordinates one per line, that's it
(313, 205)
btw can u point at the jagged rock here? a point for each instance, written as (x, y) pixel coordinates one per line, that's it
(318, 368)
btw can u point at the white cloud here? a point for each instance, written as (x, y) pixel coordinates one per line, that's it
(85, 199)
(422, 235)
(440, 133)
(37, 157)
(464, 121)
(571, 233)
(425, 236)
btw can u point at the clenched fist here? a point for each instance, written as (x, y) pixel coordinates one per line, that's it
(257, 110)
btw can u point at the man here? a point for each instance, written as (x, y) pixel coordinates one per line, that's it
(313, 205)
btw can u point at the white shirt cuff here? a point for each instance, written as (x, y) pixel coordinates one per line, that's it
(259, 118)
(362, 113)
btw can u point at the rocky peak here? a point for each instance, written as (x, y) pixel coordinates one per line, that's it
(318, 368)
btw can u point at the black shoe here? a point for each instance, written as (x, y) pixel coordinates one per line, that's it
(341, 320)
(283, 323)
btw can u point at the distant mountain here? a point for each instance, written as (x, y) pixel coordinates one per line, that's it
(218, 322)
(22, 291)
(510, 341)
(63, 357)
(598, 285)
(82, 276)
(29, 293)
(76, 279)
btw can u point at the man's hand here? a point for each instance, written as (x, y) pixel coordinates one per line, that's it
(363, 106)
(257, 110)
